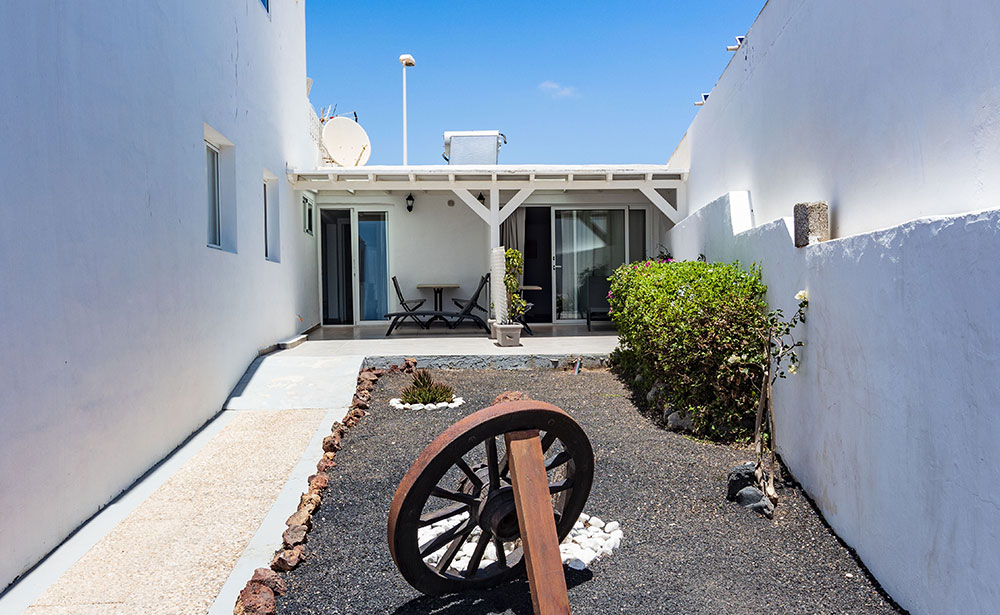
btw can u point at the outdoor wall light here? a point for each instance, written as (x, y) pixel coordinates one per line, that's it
(409, 202)
(481, 198)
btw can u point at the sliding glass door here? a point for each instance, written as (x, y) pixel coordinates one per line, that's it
(354, 266)
(588, 245)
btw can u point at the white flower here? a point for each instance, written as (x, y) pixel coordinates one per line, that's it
(792, 369)
(802, 295)
(732, 359)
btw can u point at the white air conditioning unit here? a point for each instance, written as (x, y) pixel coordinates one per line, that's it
(472, 146)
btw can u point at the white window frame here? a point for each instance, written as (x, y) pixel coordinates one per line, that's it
(216, 205)
(308, 215)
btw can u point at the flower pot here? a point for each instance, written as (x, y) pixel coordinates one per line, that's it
(492, 322)
(508, 335)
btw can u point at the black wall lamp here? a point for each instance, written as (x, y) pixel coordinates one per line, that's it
(481, 198)
(409, 202)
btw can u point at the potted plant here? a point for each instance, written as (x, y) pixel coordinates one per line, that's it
(508, 332)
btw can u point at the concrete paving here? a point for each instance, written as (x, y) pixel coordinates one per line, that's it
(444, 344)
(285, 381)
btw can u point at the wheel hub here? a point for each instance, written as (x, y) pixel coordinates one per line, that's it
(498, 514)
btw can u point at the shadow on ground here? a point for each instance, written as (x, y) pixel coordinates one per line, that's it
(513, 597)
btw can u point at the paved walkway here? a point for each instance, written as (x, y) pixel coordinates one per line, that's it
(187, 538)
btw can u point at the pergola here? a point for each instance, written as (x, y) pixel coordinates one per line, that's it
(524, 180)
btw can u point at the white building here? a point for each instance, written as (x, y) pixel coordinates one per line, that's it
(168, 215)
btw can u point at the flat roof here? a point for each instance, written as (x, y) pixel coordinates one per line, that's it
(513, 176)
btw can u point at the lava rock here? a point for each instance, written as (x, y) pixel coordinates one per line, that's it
(309, 502)
(318, 482)
(271, 579)
(300, 517)
(255, 599)
(294, 535)
(287, 559)
(739, 477)
(678, 422)
(331, 443)
(764, 506)
(749, 496)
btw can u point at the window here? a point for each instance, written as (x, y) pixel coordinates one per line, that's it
(267, 238)
(214, 202)
(272, 218)
(307, 215)
(220, 190)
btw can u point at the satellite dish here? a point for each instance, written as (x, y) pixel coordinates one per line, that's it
(347, 142)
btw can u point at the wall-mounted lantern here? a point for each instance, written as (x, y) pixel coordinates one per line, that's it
(481, 198)
(409, 202)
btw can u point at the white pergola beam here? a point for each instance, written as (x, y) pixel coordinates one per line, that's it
(515, 202)
(661, 203)
(473, 203)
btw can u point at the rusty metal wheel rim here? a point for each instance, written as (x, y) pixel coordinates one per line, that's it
(433, 483)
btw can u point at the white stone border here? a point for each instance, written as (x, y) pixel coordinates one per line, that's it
(397, 403)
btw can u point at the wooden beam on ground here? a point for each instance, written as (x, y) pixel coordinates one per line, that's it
(546, 578)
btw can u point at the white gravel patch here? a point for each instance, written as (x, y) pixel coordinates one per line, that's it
(590, 539)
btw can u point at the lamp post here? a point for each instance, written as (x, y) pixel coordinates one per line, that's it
(406, 60)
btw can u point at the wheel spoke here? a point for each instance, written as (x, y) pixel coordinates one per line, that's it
(453, 549)
(547, 440)
(558, 460)
(501, 554)
(454, 496)
(446, 537)
(464, 467)
(560, 486)
(493, 462)
(441, 514)
(477, 554)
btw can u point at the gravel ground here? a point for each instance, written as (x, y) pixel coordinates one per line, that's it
(686, 549)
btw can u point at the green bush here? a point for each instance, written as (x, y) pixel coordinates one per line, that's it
(698, 330)
(423, 390)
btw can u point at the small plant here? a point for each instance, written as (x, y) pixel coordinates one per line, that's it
(424, 390)
(513, 268)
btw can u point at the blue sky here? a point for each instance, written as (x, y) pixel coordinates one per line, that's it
(567, 82)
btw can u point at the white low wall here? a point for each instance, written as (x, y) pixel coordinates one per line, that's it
(888, 110)
(891, 424)
(122, 333)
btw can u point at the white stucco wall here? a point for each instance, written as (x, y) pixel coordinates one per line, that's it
(891, 422)
(122, 332)
(888, 110)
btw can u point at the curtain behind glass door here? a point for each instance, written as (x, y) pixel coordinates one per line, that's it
(373, 265)
(590, 244)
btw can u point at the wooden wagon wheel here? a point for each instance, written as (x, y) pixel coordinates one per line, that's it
(460, 487)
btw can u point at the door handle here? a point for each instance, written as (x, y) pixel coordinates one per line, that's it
(557, 266)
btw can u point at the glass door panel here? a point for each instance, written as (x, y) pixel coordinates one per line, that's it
(589, 245)
(373, 266)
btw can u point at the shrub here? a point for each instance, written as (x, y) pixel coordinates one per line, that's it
(423, 390)
(700, 331)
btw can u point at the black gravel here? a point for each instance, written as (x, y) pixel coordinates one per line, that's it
(686, 549)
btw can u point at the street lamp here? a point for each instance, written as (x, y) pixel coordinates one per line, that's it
(406, 60)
